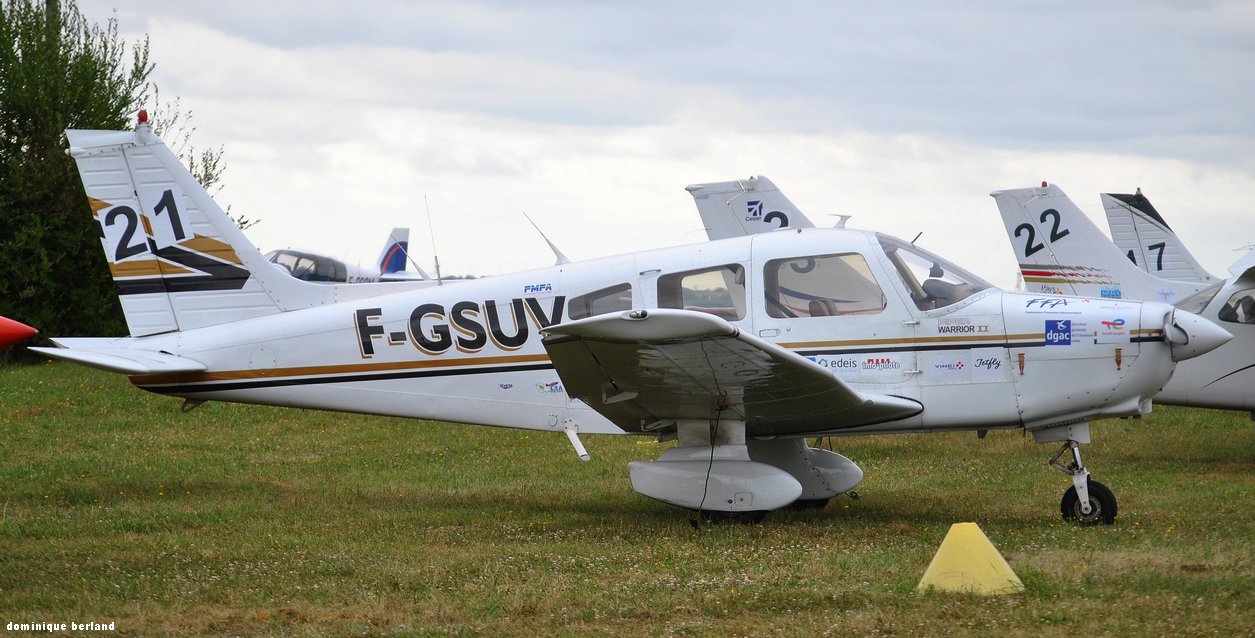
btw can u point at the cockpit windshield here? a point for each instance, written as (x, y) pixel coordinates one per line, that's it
(932, 281)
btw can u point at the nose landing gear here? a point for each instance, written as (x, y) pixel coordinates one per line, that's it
(1087, 502)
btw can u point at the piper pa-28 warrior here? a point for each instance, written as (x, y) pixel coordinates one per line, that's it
(1061, 251)
(736, 349)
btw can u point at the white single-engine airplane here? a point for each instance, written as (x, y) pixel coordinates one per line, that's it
(1061, 251)
(737, 349)
(311, 265)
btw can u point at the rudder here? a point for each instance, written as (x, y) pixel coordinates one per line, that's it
(179, 261)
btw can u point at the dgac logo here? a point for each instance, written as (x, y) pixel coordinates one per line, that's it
(1110, 293)
(466, 325)
(531, 289)
(1041, 302)
(1059, 332)
(990, 363)
(881, 363)
(1118, 324)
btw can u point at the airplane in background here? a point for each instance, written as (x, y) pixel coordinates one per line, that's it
(1061, 251)
(309, 265)
(738, 350)
(12, 332)
(1139, 230)
(741, 207)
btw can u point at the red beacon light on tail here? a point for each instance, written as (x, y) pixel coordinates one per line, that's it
(143, 116)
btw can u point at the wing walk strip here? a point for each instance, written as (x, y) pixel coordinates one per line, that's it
(182, 383)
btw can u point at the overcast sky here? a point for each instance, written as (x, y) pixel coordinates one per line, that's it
(338, 118)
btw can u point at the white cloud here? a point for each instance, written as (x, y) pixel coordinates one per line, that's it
(337, 122)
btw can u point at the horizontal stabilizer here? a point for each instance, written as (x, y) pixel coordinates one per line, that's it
(105, 354)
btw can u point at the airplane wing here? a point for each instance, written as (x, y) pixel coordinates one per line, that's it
(105, 354)
(744, 207)
(645, 369)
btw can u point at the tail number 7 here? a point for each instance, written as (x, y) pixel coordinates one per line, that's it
(1031, 245)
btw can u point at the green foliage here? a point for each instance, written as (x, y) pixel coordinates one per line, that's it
(58, 71)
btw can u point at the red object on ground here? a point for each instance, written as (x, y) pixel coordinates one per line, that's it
(12, 332)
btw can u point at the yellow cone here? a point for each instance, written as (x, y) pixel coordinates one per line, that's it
(968, 563)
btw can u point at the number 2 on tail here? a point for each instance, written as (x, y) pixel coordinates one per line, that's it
(127, 244)
(1031, 246)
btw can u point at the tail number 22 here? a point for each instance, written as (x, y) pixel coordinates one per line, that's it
(1031, 245)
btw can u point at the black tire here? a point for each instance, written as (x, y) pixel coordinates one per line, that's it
(1102, 502)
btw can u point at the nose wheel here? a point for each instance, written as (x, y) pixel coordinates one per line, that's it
(1102, 505)
(1087, 502)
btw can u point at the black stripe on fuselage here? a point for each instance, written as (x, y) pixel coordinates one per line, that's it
(212, 386)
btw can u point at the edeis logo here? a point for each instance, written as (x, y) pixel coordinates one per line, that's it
(1059, 332)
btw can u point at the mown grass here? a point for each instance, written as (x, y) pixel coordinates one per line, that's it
(245, 520)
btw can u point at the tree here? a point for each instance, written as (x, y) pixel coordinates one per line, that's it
(59, 71)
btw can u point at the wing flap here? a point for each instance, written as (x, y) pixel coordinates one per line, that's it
(643, 367)
(105, 354)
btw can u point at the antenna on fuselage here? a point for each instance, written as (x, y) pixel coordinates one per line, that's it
(921, 234)
(562, 259)
(405, 252)
(431, 231)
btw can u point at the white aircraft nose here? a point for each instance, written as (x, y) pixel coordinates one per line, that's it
(1191, 335)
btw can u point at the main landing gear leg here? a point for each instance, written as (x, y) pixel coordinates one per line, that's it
(1087, 502)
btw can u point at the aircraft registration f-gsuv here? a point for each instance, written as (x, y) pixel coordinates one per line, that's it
(736, 349)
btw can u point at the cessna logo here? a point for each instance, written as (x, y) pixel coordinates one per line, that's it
(754, 213)
(467, 326)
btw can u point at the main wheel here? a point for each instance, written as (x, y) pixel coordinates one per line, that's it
(1102, 504)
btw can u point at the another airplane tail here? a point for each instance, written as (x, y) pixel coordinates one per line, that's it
(178, 259)
(1062, 252)
(395, 252)
(1144, 236)
(744, 207)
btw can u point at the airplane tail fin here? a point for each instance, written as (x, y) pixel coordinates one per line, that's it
(744, 207)
(1061, 251)
(178, 259)
(1144, 236)
(395, 256)
(395, 251)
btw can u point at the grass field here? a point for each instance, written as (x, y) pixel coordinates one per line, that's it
(244, 520)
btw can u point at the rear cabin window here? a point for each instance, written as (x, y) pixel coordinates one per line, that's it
(599, 302)
(719, 291)
(821, 286)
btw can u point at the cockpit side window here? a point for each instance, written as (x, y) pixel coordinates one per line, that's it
(932, 281)
(599, 302)
(719, 291)
(821, 286)
(1240, 308)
